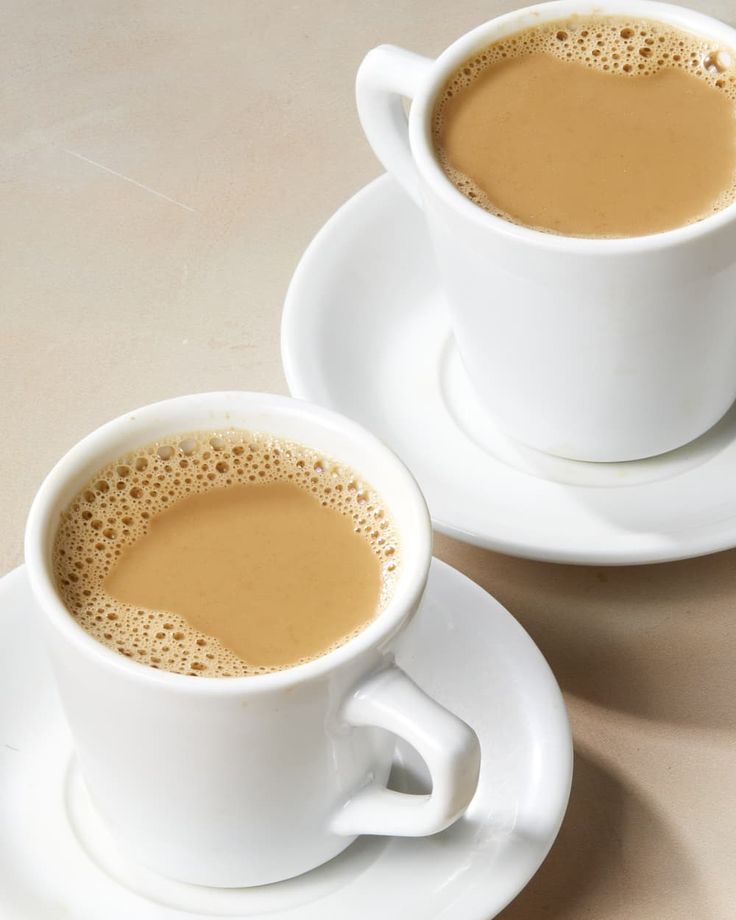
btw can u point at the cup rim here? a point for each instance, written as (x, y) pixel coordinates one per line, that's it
(422, 107)
(99, 445)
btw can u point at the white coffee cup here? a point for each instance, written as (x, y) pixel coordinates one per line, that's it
(244, 781)
(593, 349)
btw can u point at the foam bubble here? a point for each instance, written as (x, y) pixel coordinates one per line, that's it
(115, 509)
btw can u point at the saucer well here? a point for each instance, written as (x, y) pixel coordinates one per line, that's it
(57, 859)
(365, 332)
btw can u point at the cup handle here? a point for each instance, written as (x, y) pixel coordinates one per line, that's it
(449, 747)
(386, 74)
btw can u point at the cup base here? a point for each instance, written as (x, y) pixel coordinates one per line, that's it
(470, 415)
(114, 861)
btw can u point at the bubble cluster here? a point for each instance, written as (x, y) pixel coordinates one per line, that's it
(116, 507)
(628, 48)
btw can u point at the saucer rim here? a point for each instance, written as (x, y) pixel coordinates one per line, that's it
(662, 548)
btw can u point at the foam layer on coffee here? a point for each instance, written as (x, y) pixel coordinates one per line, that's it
(115, 509)
(625, 47)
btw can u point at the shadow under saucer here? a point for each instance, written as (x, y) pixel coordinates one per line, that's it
(614, 857)
(653, 641)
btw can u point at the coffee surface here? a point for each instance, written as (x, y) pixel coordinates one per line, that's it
(225, 554)
(599, 127)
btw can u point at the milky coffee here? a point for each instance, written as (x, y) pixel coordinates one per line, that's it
(593, 126)
(225, 554)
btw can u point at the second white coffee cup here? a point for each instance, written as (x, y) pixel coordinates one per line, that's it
(592, 349)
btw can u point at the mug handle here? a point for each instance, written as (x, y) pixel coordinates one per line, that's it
(450, 749)
(386, 74)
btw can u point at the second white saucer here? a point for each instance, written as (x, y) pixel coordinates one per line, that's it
(57, 859)
(365, 332)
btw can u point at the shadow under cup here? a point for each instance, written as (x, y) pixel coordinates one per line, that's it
(229, 781)
(590, 349)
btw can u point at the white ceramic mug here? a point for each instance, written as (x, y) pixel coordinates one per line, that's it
(244, 781)
(593, 349)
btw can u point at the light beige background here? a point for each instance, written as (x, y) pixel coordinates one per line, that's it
(163, 166)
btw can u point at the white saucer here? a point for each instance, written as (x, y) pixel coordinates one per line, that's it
(364, 331)
(56, 859)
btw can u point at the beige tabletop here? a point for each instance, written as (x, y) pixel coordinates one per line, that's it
(163, 166)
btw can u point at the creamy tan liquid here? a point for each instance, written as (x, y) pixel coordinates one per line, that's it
(225, 554)
(599, 127)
